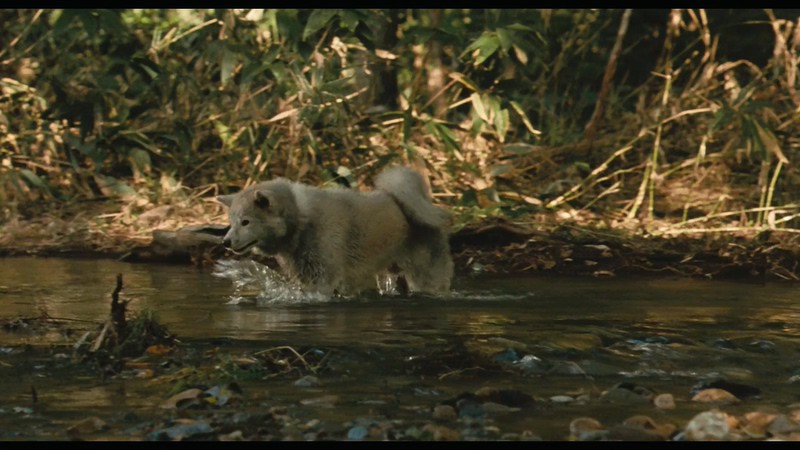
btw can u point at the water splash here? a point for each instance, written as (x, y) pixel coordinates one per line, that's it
(256, 283)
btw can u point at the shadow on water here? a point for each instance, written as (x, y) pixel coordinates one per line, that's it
(544, 336)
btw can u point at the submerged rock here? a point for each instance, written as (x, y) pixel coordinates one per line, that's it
(444, 412)
(708, 426)
(627, 392)
(193, 430)
(714, 395)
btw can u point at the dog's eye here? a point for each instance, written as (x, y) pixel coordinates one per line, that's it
(245, 222)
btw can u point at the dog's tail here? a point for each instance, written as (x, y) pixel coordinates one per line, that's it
(408, 189)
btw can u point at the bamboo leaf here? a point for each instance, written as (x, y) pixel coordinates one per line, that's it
(140, 160)
(113, 187)
(227, 65)
(501, 123)
(34, 180)
(478, 105)
(769, 142)
(524, 117)
(521, 55)
(317, 20)
(520, 148)
(504, 37)
(483, 47)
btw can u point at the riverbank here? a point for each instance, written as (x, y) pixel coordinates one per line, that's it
(189, 233)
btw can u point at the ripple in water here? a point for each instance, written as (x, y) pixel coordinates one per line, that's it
(256, 283)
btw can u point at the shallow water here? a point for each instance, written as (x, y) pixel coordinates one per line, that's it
(550, 336)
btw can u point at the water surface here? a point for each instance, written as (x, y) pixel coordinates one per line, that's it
(547, 335)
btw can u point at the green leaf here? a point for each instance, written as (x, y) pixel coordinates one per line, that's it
(722, 118)
(140, 160)
(521, 55)
(524, 117)
(468, 198)
(477, 104)
(583, 166)
(505, 38)
(318, 19)
(520, 27)
(63, 19)
(34, 180)
(146, 67)
(113, 187)
(445, 134)
(486, 45)
(500, 169)
(520, 148)
(224, 133)
(464, 80)
(227, 65)
(349, 19)
(501, 123)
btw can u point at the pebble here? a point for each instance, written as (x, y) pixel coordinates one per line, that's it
(715, 395)
(444, 412)
(357, 433)
(664, 401)
(470, 408)
(307, 381)
(492, 407)
(441, 432)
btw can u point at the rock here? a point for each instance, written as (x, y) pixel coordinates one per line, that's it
(532, 364)
(664, 401)
(193, 429)
(235, 435)
(646, 423)
(441, 432)
(470, 408)
(782, 425)
(708, 426)
(586, 429)
(528, 435)
(756, 422)
(508, 397)
(631, 433)
(562, 399)
(762, 346)
(492, 407)
(184, 399)
(86, 426)
(307, 381)
(444, 412)
(566, 368)
(326, 401)
(628, 392)
(740, 390)
(357, 433)
(714, 395)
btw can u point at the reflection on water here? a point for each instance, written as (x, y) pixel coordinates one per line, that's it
(515, 308)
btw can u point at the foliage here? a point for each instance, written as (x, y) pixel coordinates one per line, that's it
(493, 103)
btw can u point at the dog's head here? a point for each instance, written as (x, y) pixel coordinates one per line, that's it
(261, 216)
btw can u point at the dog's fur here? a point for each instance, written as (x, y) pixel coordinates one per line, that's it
(340, 240)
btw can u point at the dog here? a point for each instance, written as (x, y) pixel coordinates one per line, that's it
(339, 241)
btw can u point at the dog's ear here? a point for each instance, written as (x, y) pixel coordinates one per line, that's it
(262, 200)
(226, 200)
